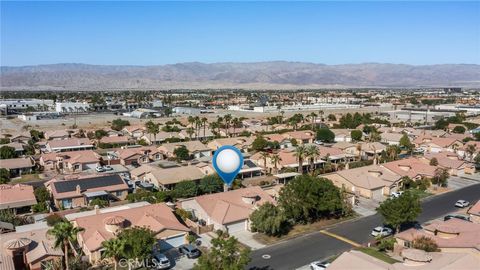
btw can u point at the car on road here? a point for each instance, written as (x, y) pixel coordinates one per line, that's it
(462, 204)
(318, 265)
(381, 231)
(100, 169)
(190, 251)
(447, 217)
(396, 194)
(161, 261)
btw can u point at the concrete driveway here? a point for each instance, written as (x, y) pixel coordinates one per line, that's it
(246, 238)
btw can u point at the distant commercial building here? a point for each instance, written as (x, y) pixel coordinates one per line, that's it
(297, 107)
(418, 116)
(186, 110)
(16, 105)
(469, 110)
(71, 107)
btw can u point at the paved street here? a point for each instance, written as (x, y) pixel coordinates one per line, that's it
(301, 251)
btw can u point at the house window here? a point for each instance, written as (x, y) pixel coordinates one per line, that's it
(407, 244)
(118, 193)
(67, 203)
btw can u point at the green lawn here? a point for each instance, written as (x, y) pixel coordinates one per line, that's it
(377, 254)
(421, 194)
(26, 178)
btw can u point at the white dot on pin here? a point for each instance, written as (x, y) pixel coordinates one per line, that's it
(228, 161)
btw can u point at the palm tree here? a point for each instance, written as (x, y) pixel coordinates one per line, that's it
(282, 113)
(300, 152)
(64, 233)
(153, 128)
(190, 132)
(392, 152)
(265, 155)
(113, 248)
(227, 118)
(204, 123)
(235, 123)
(321, 114)
(312, 116)
(471, 149)
(312, 153)
(275, 159)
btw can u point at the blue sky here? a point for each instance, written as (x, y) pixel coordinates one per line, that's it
(154, 33)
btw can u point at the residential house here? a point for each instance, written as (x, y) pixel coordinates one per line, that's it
(167, 178)
(183, 134)
(136, 131)
(342, 135)
(105, 225)
(79, 192)
(228, 211)
(412, 259)
(241, 143)
(372, 182)
(371, 150)
(21, 138)
(348, 148)
(454, 235)
(232, 132)
(73, 161)
(19, 150)
(447, 160)
(462, 152)
(31, 249)
(115, 140)
(414, 168)
(437, 144)
(136, 155)
(19, 198)
(281, 140)
(18, 166)
(391, 138)
(160, 137)
(195, 148)
(301, 136)
(71, 144)
(59, 134)
(288, 160)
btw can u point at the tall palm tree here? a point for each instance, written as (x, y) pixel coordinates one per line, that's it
(313, 116)
(235, 123)
(359, 149)
(227, 119)
(190, 132)
(153, 128)
(198, 124)
(64, 233)
(275, 159)
(114, 249)
(321, 113)
(204, 124)
(300, 152)
(312, 153)
(265, 155)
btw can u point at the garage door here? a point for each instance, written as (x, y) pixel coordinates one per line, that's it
(377, 194)
(236, 227)
(172, 242)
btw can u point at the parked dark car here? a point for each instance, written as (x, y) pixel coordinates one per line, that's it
(447, 217)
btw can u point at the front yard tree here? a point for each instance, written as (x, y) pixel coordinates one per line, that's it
(356, 135)
(118, 124)
(7, 152)
(185, 189)
(405, 142)
(211, 184)
(114, 249)
(401, 210)
(181, 153)
(425, 243)
(225, 253)
(441, 176)
(307, 198)
(138, 242)
(259, 144)
(64, 233)
(325, 135)
(4, 176)
(269, 219)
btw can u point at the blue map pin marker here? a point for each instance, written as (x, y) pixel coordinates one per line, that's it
(227, 161)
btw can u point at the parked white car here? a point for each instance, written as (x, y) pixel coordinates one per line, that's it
(381, 231)
(100, 169)
(396, 194)
(318, 265)
(462, 203)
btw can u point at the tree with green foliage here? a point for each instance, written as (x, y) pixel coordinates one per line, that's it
(4, 141)
(434, 162)
(42, 194)
(153, 128)
(64, 233)
(118, 124)
(113, 249)
(401, 210)
(325, 135)
(300, 153)
(101, 203)
(356, 135)
(425, 243)
(459, 130)
(181, 153)
(100, 133)
(331, 117)
(211, 183)
(138, 242)
(259, 144)
(471, 150)
(307, 199)
(440, 177)
(226, 253)
(7, 152)
(386, 244)
(185, 189)
(4, 176)
(36, 135)
(270, 220)
(405, 142)
(54, 218)
(441, 124)
(477, 159)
